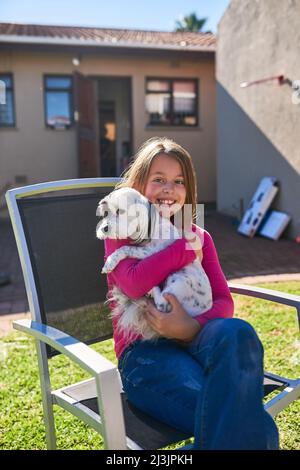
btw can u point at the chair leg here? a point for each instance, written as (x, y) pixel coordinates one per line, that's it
(49, 427)
(46, 395)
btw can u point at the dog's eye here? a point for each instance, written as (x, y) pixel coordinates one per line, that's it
(105, 214)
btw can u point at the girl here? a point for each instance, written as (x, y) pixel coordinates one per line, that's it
(205, 374)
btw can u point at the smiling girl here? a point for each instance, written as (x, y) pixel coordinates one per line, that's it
(204, 375)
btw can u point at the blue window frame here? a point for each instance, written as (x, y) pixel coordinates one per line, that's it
(58, 99)
(7, 103)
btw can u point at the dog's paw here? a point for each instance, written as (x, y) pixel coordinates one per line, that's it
(108, 266)
(105, 269)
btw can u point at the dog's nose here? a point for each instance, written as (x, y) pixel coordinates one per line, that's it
(105, 228)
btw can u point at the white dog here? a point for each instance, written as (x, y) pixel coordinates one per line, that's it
(125, 213)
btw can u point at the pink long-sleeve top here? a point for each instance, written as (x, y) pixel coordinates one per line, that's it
(137, 277)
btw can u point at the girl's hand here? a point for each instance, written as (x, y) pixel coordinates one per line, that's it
(177, 324)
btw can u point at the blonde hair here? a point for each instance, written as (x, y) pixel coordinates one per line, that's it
(136, 175)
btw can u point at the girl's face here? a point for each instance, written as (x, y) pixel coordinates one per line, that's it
(165, 184)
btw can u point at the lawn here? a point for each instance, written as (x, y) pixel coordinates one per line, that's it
(21, 422)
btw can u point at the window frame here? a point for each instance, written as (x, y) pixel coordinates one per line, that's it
(12, 89)
(70, 90)
(171, 81)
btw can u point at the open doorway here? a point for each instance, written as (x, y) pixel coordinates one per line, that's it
(115, 130)
(107, 133)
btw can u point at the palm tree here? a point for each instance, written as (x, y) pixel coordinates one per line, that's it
(191, 23)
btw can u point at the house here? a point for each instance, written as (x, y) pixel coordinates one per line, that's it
(258, 106)
(80, 101)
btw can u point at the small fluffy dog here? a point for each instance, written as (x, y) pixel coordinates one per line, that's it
(125, 213)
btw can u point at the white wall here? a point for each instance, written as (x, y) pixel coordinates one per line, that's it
(258, 126)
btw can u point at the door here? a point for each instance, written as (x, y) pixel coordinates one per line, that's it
(85, 118)
(114, 120)
(108, 129)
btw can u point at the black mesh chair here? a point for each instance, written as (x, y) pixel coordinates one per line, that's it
(54, 225)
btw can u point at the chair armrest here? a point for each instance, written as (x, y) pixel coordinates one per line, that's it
(104, 371)
(78, 352)
(267, 294)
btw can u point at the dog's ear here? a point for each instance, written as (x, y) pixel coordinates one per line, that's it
(98, 210)
(140, 211)
(102, 209)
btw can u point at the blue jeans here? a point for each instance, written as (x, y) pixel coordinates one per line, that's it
(211, 388)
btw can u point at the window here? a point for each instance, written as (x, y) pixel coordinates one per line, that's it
(7, 112)
(58, 101)
(171, 102)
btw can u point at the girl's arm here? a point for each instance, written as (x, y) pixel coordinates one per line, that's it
(178, 324)
(137, 277)
(223, 306)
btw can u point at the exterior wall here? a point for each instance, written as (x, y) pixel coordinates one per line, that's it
(31, 149)
(44, 154)
(258, 126)
(199, 142)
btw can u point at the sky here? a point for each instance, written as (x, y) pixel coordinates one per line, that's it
(158, 15)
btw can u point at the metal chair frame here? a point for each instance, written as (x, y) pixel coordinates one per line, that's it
(105, 383)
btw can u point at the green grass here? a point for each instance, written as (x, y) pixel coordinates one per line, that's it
(277, 327)
(21, 421)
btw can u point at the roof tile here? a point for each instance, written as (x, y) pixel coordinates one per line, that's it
(139, 38)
